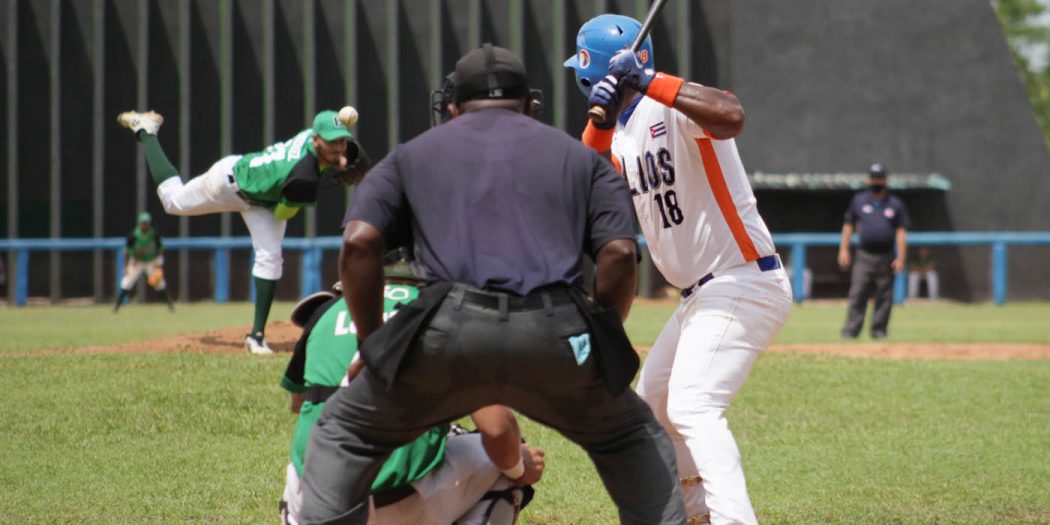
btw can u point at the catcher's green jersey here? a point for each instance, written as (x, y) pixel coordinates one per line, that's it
(143, 246)
(330, 346)
(263, 176)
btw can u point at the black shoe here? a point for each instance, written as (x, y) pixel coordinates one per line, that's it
(847, 335)
(878, 335)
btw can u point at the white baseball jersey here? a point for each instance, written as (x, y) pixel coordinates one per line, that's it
(693, 199)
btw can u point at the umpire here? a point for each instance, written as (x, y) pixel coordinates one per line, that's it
(881, 223)
(499, 209)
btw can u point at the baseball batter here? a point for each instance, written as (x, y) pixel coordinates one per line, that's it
(144, 253)
(673, 144)
(267, 188)
(436, 479)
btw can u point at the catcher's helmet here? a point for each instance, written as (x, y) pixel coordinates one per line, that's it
(441, 98)
(598, 40)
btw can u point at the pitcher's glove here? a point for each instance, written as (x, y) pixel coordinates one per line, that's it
(357, 165)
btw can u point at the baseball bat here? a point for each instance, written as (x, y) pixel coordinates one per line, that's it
(597, 113)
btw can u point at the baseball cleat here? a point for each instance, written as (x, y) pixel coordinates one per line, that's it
(149, 121)
(256, 344)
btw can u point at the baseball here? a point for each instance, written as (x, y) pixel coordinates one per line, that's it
(348, 116)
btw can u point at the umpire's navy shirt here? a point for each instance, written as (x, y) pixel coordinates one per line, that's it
(877, 220)
(497, 200)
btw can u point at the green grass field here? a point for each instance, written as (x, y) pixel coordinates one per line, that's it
(195, 438)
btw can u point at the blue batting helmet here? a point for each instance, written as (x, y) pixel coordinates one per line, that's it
(598, 40)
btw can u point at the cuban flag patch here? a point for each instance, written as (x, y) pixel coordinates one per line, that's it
(657, 130)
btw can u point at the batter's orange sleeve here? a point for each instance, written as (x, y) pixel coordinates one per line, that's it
(664, 88)
(599, 139)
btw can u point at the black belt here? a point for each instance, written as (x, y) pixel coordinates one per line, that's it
(536, 300)
(241, 194)
(765, 264)
(392, 496)
(317, 394)
(876, 249)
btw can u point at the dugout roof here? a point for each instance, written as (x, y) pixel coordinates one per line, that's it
(845, 181)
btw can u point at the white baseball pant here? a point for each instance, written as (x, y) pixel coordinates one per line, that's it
(932, 283)
(698, 363)
(450, 494)
(215, 191)
(134, 269)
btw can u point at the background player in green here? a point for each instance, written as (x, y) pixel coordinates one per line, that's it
(267, 188)
(144, 254)
(435, 479)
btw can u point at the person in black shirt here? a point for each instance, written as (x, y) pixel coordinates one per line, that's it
(881, 223)
(498, 209)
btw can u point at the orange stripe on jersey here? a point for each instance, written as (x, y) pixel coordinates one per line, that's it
(616, 164)
(717, 180)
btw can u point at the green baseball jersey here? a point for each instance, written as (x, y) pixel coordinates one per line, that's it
(143, 246)
(284, 173)
(330, 345)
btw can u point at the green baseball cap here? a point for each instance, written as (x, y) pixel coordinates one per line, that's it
(145, 217)
(328, 126)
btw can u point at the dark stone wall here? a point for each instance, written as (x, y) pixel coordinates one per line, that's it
(833, 86)
(827, 86)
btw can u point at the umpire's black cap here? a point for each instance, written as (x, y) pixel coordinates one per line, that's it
(877, 171)
(490, 72)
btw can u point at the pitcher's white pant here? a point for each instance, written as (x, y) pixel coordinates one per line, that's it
(215, 191)
(450, 494)
(134, 269)
(697, 365)
(932, 284)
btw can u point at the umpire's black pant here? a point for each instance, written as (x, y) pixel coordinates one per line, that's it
(872, 276)
(473, 355)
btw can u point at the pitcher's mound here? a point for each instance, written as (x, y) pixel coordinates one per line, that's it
(282, 336)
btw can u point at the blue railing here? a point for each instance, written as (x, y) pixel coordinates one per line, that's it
(309, 277)
(999, 242)
(312, 250)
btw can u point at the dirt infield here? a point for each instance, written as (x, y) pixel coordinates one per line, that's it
(283, 334)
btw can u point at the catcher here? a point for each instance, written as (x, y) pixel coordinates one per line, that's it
(144, 253)
(444, 476)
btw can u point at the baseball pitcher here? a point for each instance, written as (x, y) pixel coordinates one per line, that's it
(672, 141)
(267, 188)
(144, 253)
(442, 477)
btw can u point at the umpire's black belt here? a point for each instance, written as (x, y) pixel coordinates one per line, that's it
(540, 299)
(767, 263)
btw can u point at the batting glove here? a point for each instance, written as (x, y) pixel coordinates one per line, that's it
(605, 95)
(632, 74)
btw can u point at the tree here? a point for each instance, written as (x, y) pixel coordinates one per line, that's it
(1028, 33)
